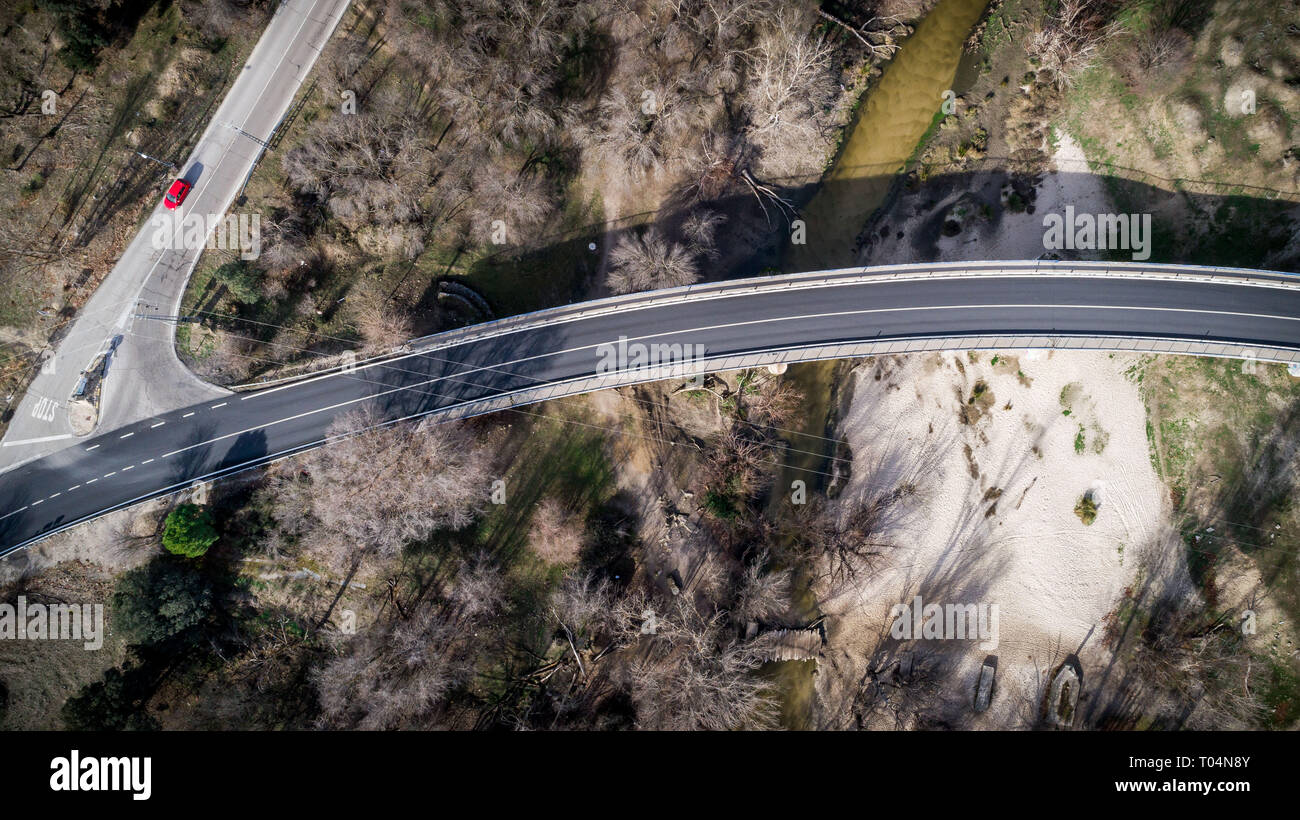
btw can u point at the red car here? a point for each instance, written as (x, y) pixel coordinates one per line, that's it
(176, 193)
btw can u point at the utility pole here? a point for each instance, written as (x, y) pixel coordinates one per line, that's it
(162, 162)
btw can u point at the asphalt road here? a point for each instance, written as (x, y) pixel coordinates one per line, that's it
(145, 376)
(451, 372)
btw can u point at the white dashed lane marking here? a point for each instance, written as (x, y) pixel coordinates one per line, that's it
(132, 467)
(187, 415)
(110, 475)
(92, 481)
(159, 424)
(128, 435)
(216, 406)
(93, 446)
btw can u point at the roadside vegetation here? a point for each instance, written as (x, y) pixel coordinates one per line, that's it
(1198, 99)
(1220, 432)
(391, 580)
(488, 148)
(453, 163)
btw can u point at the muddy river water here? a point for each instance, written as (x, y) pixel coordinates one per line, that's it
(896, 114)
(894, 117)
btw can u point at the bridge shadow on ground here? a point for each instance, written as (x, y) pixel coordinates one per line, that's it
(968, 213)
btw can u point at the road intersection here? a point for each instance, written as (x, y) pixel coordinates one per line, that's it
(146, 375)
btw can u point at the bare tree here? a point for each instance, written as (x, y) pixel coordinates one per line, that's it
(902, 688)
(383, 325)
(738, 463)
(843, 544)
(556, 535)
(368, 167)
(771, 402)
(508, 205)
(1160, 49)
(643, 133)
(398, 675)
(700, 229)
(688, 676)
(680, 669)
(761, 593)
(788, 94)
(648, 262)
(1068, 44)
(375, 489)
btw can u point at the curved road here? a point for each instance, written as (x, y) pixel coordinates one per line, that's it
(752, 322)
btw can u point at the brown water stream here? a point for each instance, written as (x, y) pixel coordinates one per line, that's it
(897, 112)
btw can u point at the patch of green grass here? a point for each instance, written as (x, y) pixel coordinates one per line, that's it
(726, 501)
(1179, 447)
(720, 505)
(1152, 451)
(997, 32)
(1282, 696)
(924, 142)
(568, 461)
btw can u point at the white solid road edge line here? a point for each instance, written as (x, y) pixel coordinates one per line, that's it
(59, 437)
(274, 457)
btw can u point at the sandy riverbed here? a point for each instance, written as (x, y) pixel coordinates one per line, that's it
(993, 521)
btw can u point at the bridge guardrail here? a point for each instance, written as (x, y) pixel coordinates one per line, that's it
(812, 279)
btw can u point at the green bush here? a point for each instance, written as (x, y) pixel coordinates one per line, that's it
(1086, 509)
(240, 281)
(115, 703)
(189, 531)
(1281, 696)
(721, 505)
(84, 29)
(160, 600)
